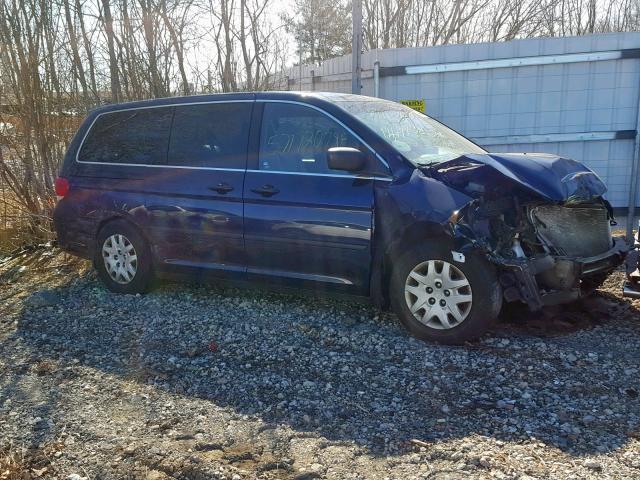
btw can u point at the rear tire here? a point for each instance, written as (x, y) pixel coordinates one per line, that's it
(453, 302)
(123, 258)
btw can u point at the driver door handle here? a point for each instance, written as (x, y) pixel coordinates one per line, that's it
(266, 190)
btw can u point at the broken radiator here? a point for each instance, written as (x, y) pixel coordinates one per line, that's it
(573, 231)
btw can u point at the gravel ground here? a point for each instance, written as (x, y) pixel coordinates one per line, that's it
(216, 382)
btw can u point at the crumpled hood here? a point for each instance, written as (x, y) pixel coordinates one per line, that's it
(553, 178)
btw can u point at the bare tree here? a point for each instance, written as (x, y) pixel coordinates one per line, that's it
(116, 93)
(60, 58)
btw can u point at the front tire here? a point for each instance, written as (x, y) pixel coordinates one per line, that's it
(439, 299)
(123, 258)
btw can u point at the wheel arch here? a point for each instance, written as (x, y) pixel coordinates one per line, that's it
(113, 217)
(397, 244)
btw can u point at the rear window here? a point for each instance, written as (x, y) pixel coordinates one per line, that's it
(210, 135)
(139, 136)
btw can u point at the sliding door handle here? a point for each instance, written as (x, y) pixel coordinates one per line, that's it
(222, 188)
(266, 190)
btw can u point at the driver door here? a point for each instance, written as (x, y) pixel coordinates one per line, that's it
(303, 222)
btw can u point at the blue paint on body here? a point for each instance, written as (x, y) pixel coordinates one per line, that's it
(328, 232)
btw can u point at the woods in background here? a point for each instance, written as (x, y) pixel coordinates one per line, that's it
(60, 58)
(419, 23)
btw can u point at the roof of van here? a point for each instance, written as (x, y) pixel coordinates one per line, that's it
(300, 96)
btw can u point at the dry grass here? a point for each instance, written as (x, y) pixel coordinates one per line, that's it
(44, 367)
(28, 464)
(19, 227)
(12, 466)
(41, 266)
(23, 465)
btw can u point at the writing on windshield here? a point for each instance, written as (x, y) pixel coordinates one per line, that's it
(421, 139)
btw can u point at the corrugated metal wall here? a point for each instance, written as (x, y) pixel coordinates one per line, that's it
(577, 96)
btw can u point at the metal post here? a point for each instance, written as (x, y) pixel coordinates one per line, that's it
(313, 80)
(300, 71)
(376, 79)
(633, 186)
(356, 47)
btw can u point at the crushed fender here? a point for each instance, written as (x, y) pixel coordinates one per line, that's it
(541, 219)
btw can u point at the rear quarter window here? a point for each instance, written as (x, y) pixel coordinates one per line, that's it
(139, 136)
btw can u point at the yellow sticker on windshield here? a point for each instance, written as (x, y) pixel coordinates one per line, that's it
(417, 105)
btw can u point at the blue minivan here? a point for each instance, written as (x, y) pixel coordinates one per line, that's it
(332, 192)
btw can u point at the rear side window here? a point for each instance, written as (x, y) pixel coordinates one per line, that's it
(210, 135)
(295, 138)
(139, 136)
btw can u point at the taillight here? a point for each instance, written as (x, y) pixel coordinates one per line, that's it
(61, 187)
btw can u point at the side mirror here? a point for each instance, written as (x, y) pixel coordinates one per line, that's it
(345, 158)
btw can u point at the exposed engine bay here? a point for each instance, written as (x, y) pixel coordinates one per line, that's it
(541, 219)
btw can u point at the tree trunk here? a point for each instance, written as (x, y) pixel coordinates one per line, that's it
(116, 94)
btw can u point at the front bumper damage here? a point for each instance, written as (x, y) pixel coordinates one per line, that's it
(542, 220)
(519, 277)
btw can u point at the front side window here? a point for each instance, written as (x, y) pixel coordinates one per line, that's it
(139, 136)
(210, 135)
(295, 138)
(419, 138)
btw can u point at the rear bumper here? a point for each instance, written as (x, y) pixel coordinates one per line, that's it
(528, 280)
(74, 235)
(74, 243)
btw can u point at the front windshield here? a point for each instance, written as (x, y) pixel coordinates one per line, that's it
(421, 139)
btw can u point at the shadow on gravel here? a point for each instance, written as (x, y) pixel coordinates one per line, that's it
(348, 373)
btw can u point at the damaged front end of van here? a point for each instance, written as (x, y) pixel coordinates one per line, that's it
(541, 219)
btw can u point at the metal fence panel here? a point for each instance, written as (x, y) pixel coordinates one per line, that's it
(574, 96)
